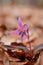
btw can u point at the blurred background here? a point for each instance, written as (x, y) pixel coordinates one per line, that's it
(31, 12)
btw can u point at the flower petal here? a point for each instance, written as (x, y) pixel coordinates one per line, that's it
(21, 38)
(25, 27)
(15, 31)
(20, 22)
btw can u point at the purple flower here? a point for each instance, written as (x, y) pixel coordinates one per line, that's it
(22, 29)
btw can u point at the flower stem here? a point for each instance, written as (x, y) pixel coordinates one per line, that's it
(30, 45)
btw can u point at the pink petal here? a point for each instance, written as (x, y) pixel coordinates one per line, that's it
(25, 27)
(21, 38)
(15, 31)
(20, 22)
